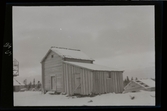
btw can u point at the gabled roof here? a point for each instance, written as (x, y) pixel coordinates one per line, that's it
(148, 82)
(15, 82)
(69, 53)
(145, 83)
(94, 67)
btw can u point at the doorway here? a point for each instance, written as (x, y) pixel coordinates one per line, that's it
(77, 89)
(53, 83)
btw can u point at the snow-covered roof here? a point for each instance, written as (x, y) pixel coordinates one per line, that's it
(145, 82)
(94, 67)
(16, 82)
(148, 82)
(69, 53)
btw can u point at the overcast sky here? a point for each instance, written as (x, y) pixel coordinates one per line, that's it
(115, 36)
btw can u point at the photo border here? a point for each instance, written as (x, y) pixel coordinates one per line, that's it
(6, 80)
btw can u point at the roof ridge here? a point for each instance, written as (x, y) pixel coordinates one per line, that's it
(65, 48)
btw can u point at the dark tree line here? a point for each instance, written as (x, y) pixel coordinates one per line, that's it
(32, 85)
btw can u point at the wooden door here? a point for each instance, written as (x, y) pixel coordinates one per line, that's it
(58, 83)
(77, 89)
(53, 85)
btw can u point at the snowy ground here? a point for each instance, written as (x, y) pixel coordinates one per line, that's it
(30, 98)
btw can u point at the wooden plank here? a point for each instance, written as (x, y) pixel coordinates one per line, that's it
(43, 76)
(82, 82)
(89, 73)
(88, 77)
(105, 82)
(107, 86)
(104, 79)
(67, 72)
(92, 79)
(101, 91)
(64, 78)
(94, 74)
(95, 82)
(102, 82)
(90, 85)
(103, 85)
(109, 82)
(94, 85)
(89, 81)
(112, 82)
(122, 82)
(116, 82)
(99, 83)
(70, 79)
(86, 83)
(119, 80)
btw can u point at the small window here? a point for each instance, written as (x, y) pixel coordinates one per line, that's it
(52, 56)
(109, 75)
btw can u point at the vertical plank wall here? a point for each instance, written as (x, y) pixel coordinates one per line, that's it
(43, 78)
(69, 72)
(52, 67)
(103, 84)
(97, 82)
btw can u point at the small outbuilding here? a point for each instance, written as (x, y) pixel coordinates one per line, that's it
(142, 84)
(70, 71)
(17, 85)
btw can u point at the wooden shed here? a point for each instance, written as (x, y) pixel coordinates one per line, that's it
(142, 84)
(17, 85)
(70, 71)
